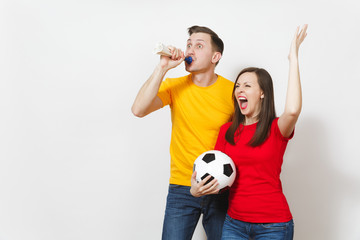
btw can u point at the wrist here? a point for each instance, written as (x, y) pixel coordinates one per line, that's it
(293, 60)
(162, 70)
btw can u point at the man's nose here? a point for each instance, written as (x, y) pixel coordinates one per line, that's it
(190, 51)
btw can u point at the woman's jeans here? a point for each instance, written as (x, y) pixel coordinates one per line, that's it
(183, 212)
(239, 230)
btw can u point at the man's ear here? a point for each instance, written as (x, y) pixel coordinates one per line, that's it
(216, 57)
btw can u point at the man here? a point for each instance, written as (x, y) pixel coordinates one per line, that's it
(200, 103)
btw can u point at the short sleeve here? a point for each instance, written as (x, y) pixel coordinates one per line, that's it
(165, 92)
(276, 129)
(221, 141)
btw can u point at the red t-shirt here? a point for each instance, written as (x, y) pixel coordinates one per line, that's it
(256, 195)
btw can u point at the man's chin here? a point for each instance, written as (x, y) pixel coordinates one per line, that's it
(190, 69)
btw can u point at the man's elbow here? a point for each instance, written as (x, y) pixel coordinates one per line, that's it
(137, 112)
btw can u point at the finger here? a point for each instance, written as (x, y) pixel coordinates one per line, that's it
(207, 180)
(213, 184)
(204, 185)
(193, 176)
(171, 49)
(304, 33)
(296, 32)
(302, 38)
(212, 189)
(180, 55)
(295, 37)
(215, 190)
(301, 34)
(303, 29)
(173, 57)
(209, 186)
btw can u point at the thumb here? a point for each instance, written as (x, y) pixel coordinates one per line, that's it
(193, 176)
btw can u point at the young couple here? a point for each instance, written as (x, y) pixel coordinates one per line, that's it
(210, 112)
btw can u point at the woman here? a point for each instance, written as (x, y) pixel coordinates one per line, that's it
(256, 141)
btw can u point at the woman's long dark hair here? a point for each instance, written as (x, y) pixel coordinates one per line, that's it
(267, 110)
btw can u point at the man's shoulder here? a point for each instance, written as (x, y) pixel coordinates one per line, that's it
(174, 83)
(225, 81)
(178, 79)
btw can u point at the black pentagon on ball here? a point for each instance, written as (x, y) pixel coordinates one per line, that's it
(204, 176)
(194, 167)
(228, 170)
(209, 157)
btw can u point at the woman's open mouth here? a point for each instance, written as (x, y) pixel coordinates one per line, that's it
(243, 102)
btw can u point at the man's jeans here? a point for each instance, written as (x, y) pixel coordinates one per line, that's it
(239, 230)
(183, 212)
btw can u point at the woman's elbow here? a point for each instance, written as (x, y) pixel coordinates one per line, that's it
(293, 112)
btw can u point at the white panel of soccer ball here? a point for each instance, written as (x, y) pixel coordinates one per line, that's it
(218, 165)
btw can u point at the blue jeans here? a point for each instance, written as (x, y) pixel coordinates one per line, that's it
(239, 230)
(183, 212)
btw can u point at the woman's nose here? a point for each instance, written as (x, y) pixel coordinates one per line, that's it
(239, 89)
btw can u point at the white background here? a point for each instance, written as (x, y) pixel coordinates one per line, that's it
(76, 164)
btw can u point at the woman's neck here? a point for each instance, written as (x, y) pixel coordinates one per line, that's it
(251, 120)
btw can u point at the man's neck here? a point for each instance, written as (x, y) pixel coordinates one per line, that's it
(204, 79)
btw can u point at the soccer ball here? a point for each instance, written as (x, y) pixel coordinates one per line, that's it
(218, 165)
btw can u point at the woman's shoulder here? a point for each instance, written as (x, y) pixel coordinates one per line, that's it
(275, 121)
(275, 129)
(226, 126)
(274, 124)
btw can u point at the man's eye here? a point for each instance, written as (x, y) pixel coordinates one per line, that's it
(200, 46)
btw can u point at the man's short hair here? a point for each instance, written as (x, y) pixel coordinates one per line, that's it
(216, 42)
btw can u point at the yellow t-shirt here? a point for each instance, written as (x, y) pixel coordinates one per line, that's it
(197, 113)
